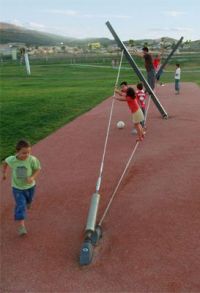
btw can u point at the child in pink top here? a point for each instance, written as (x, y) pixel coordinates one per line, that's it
(137, 114)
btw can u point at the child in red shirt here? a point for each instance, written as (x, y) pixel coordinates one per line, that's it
(137, 114)
(156, 63)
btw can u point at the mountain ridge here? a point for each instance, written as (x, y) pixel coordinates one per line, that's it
(10, 33)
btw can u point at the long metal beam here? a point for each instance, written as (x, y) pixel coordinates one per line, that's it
(169, 57)
(137, 71)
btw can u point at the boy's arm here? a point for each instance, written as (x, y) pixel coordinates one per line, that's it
(120, 93)
(162, 53)
(137, 53)
(4, 170)
(122, 98)
(33, 176)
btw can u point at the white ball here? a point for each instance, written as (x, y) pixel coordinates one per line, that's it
(120, 124)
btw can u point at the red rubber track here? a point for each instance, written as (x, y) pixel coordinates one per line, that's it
(151, 235)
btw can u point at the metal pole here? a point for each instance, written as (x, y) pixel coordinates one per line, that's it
(169, 57)
(28, 69)
(93, 233)
(92, 215)
(137, 71)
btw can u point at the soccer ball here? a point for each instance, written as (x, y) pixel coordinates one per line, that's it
(120, 124)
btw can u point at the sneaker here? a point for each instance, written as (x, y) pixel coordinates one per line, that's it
(22, 230)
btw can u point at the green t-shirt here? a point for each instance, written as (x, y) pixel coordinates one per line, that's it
(21, 169)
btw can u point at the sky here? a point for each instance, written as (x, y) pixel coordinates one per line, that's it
(131, 19)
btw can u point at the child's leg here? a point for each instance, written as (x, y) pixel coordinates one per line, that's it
(139, 129)
(29, 194)
(143, 122)
(177, 85)
(20, 208)
(151, 78)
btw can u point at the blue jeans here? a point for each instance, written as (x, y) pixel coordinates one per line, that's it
(22, 198)
(144, 112)
(158, 76)
(151, 77)
(177, 85)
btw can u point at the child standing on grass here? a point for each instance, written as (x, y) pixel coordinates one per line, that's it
(137, 114)
(177, 78)
(25, 169)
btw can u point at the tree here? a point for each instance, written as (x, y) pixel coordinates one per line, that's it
(131, 43)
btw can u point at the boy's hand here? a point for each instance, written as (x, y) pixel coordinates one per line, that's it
(30, 179)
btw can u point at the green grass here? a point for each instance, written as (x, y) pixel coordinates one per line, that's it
(33, 107)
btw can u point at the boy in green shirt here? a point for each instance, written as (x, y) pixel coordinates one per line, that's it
(25, 169)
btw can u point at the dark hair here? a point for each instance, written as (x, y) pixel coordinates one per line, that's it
(139, 86)
(145, 49)
(22, 144)
(177, 64)
(130, 93)
(123, 83)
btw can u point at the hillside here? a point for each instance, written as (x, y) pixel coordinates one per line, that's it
(15, 34)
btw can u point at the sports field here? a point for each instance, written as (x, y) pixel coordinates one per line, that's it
(58, 91)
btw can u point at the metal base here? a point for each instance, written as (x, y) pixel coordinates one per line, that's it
(96, 235)
(91, 239)
(86, 253)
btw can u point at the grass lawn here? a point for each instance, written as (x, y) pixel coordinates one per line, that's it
(33, 107)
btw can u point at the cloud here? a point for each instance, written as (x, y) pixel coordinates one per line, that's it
(172, 29)
(36, 26)
(75, 13)
(174, 13)
(68, 12)
(16, 22)
(106, 16)
(173, 32)
(30, 25)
